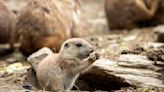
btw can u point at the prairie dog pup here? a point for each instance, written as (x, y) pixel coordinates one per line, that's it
(6, 23)
(45, 23)
(59, 71)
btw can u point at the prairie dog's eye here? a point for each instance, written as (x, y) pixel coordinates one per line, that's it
(78, 44)
(66, 45)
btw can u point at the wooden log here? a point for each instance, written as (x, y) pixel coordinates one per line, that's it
(129, 70)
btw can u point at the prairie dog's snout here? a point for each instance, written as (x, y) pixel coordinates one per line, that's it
(91, 50)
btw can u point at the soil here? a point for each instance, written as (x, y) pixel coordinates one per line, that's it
(154, 54)
(93, 27)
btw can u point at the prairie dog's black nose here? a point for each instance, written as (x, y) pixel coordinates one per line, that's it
(91, 50)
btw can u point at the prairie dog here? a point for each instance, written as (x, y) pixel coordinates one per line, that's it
(45, 23)
(127, 14)
(59, 71)
(6, 23)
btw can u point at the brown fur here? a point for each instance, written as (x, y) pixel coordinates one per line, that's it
(125, 14)
(44, 23)
(6, 23)
(159, 16)
(59, 71)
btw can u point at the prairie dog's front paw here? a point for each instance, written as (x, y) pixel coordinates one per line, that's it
(94, 56)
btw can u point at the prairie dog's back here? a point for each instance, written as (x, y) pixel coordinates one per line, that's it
(49, 73)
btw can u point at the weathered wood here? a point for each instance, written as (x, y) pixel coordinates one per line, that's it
(136, 70)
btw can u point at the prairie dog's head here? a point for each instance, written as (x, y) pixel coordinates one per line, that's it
(76, 48)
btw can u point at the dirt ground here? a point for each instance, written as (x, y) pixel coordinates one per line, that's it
(109, 43)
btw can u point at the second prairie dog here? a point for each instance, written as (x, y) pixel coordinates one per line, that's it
(59, 71)
(126, 14)
(6, 23)
(45, 23)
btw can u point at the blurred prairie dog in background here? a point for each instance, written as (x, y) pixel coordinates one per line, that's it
(45, 23)
(6, 23)
(128, 13)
